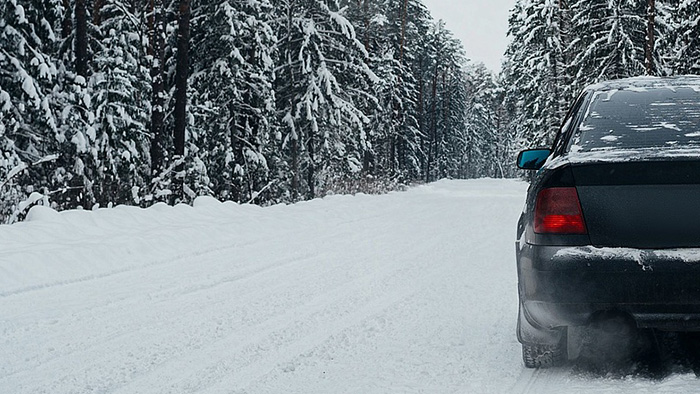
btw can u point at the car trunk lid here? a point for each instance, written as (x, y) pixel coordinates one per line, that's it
(650, 204)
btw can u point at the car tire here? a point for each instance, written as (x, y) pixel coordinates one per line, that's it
(543, 356)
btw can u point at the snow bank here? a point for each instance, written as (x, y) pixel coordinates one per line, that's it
(52, 248)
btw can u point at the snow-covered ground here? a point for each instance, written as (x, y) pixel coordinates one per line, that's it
(411, 292)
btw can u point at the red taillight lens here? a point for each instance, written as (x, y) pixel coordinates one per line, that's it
(558, 211)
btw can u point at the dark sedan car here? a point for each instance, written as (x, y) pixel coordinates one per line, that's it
(611, 225)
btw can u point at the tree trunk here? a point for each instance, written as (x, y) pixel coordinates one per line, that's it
(67, 23)
(156, 51)
(311, 171)
(180, 112)
(290, 105)
(433, 134)
(421, 104)
(421, 109)
(366, 162)
(404, 16)
(295, 169)
(563, 76)
(81, 39)
(365, 18)
(446, 82)
(250, 127)
(555, 85)
(651, 26)
(237, 149)
(392, 152)
(469, 159)
(97, 12)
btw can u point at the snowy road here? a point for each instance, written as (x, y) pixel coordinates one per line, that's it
(411, 292)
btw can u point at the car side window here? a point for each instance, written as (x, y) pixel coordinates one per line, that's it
(567, 127)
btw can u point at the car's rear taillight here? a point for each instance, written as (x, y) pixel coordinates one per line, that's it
(558, 211)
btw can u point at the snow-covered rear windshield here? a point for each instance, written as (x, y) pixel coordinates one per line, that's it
(640, 118)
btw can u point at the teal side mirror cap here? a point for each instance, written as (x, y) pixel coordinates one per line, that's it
(533, 159)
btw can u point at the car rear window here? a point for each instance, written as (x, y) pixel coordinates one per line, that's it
(663, 117)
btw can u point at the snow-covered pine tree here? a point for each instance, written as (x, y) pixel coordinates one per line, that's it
(391, 143)
(406, 27)
(514, 75)
(78, 166)
(536, 73)
(661, 36)
(181, 114)
(454, 120)
(687, 53)
(441, 61)
(233, 100)
(393, 149)
(320, 61)
(505, 149)
(28, 71)
(368, 20)
(610, 38)
(121, 101)
(177, 172)
(482, 137)
(156, 58)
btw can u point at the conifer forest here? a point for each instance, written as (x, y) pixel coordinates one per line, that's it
(108, 102)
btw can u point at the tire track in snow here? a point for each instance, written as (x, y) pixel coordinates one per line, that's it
(285, 357)
(122, 310)
(111, 340)
(263, 345)
(173, 260)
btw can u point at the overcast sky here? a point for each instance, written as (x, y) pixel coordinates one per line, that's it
(480, 24)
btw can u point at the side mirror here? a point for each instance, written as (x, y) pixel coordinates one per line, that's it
(533, 159)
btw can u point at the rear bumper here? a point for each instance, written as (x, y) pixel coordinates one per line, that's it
(566, 286)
